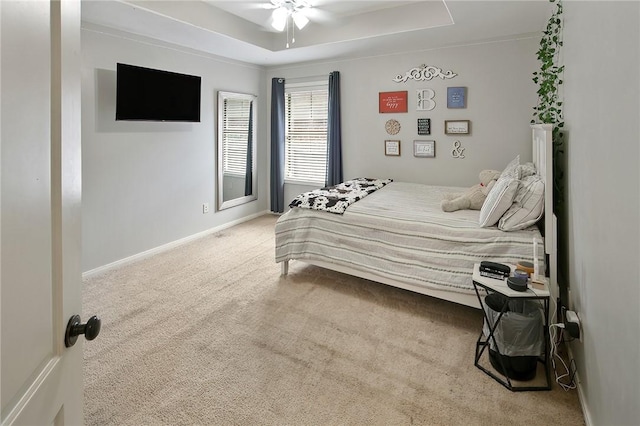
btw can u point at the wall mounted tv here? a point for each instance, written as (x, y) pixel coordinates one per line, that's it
(156, 95)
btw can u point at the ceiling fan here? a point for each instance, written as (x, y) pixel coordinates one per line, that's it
(285, 9)
(285, 15)
(313, 10)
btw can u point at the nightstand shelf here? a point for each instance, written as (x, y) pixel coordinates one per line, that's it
(485, 286)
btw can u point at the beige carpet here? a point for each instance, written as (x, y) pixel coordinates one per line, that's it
(210, 334)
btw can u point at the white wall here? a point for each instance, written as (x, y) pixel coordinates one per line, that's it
(144, 182)
(500, 97)
(601, 54)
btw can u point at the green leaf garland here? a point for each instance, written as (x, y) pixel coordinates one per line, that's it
(549, 107)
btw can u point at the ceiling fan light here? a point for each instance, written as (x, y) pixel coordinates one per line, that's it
(300, 20)
(279, 18)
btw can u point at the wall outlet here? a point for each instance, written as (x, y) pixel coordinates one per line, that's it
(572, 325)
(205, 208)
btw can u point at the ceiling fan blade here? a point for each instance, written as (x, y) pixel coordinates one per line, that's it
(246, 4)
(318, 15)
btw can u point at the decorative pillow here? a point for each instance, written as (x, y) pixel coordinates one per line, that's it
(527, 207)
(512, 169)
(527, 169)
(498, 201)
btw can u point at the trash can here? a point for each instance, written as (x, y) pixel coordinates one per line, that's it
(519, 335)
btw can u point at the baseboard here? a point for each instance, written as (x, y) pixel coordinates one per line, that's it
(583, 403)
(169, 246)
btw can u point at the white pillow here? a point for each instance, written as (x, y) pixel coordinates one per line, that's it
(498, 201)
(512, 169)
(527, 207)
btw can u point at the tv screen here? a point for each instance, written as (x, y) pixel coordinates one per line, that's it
(156, 95)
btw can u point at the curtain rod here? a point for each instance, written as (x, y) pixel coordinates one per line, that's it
(306, 79)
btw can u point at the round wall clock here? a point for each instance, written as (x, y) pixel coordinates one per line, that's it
(392, 127)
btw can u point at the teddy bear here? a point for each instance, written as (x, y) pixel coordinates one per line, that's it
(475, 196)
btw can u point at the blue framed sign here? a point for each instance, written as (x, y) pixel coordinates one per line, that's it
(456, 97)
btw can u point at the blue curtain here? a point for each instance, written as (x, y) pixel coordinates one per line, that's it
(334, 133)
(248, 174)
(277, 145)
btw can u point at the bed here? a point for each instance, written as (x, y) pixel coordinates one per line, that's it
(399, 236)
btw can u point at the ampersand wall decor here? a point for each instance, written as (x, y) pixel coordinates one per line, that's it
(458, 151)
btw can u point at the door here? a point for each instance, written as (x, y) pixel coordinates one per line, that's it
(40, 176)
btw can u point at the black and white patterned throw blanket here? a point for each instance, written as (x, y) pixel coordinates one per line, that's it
(336, 199)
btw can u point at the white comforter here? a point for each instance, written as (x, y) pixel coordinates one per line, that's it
(400, 232)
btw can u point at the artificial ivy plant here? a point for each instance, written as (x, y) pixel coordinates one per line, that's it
(549, 111)
(549, 107)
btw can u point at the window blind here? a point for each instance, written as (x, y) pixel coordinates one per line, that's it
(236, 135)
(306, 132)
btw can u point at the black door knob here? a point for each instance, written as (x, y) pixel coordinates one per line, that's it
(90, 330)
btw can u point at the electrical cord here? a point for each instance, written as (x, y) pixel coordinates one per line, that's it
(553, 309)
(569, 372)
(554, 348)
(552, 305)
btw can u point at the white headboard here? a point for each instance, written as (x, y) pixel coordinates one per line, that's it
(543, 159)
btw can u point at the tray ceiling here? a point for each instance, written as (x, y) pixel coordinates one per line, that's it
(241, 30)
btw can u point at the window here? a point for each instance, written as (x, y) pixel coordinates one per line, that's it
(235, 135)
(306, 114)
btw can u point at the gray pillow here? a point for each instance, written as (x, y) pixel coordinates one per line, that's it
(498, 200)
(527, 207)
(527, 169)
(512, 169)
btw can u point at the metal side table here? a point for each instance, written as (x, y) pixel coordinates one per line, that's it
(485, 286)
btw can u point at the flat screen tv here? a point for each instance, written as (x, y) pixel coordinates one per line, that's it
(156, 95)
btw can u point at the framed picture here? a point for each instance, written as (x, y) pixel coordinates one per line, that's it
(456, 97)
(424, 148)
(424, 126)
(392, 148)
(392, 101)
(457, 127)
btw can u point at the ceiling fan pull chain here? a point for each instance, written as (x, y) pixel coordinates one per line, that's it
(293, 33)
(287, 32)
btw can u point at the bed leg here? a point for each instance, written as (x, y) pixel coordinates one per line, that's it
(284, 268)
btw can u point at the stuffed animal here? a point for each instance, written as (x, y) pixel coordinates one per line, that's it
(474, 197)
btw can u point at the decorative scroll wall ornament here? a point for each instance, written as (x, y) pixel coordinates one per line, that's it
(458, 151)
(424, 72)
